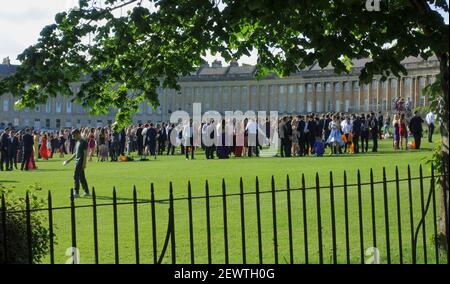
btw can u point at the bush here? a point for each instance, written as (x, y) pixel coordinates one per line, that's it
(16, 228)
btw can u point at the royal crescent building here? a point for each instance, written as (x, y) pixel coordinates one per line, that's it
(235, 87)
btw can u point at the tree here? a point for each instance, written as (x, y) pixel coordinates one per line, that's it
(129, 56)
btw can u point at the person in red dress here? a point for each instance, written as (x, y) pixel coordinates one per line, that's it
(43, 150)
(403, 132)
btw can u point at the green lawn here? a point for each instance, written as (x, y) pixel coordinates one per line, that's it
(51, 175)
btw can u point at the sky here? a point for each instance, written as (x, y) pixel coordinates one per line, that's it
(22, 20)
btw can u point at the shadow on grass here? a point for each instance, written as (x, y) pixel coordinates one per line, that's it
(8, 181)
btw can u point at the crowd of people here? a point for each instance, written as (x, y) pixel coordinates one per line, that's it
(300, 135)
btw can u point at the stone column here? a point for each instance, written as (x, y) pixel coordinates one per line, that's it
(389, 105)
(370, 96)
(324, 97)
(278, 97)
(258, 97)
(427, 82)
(305, 98)
(333, 96)
(401, 86)
(361, 97)
(379, 100)
(221, 110)
(416, 91)
(411, 91)
(314, 98)
(341, 97)
(352, 105)
(398, 87)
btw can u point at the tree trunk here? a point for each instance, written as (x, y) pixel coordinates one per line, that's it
(444, 192)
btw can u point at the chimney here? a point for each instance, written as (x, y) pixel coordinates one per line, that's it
(204, 64)
(216, 63)
(6, 61)
(234, 63)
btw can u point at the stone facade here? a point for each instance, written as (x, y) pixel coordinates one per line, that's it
(235, 87)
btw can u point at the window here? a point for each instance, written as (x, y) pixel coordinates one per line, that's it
(16, 122)
(37, 108)
(79, 108)
(291, 89)
(318, 87)
(47, 123)
(37, 123)
(27, 122)
(58, 107)
(69, 107)
(347, 86)
(48, 107)
(68, 123)
(5, 105)
(99, 123)
(347, 105)
(58, 123)
(78, 123)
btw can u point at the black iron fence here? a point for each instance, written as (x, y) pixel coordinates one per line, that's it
(384, 221)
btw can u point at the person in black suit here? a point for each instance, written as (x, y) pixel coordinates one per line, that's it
(374, 126)
(139, 140)
(162, 138)
(5, 142)
(12, 150)
(326, 129)
(312, 130)
(365, 133)
(170, 146)
(302, 135)
(210, 145)
(356, 132)
(122, 142)
(415, 126)
(27, 149)
(150, 139)
(380, 124)
(287, 136)
(321, 125)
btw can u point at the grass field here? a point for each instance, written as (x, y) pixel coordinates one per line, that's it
(51, 175)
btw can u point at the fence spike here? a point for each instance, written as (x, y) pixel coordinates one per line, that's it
(319, 219)
(4, 227)
(95, 224)
(305, 220)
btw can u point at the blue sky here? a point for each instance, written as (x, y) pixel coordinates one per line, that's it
(22, 20)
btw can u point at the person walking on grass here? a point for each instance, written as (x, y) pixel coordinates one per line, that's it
(415, 126)
(430, 118)
(80, 156)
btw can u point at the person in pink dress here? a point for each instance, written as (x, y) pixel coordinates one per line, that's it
(91, 143)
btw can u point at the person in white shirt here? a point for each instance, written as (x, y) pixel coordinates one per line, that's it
(252, 130)
(430, 118)
(188, 139)
(346, 127)
(204, 128)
